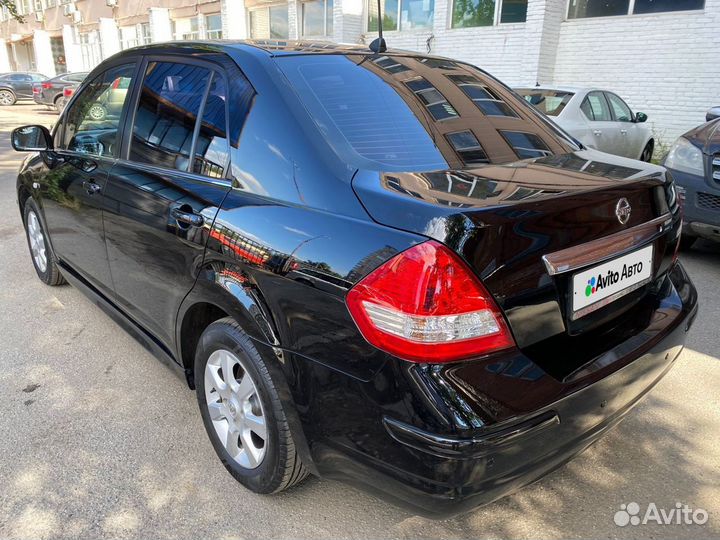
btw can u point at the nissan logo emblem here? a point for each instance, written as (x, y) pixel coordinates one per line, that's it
(622, 210)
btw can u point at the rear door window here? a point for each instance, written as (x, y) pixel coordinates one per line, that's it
(212, 149)
(598, 107)
(168, 107)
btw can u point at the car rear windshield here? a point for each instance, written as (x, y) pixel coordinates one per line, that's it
(550, 102)
(411, 113)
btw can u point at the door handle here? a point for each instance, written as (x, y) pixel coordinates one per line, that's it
(597, 132)
(623, 131)
(91, 188)
(187, 218)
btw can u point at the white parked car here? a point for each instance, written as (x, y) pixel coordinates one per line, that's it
(597, 118)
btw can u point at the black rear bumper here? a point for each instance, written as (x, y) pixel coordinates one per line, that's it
(444, 474)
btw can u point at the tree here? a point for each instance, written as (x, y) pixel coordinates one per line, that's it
(12, 9)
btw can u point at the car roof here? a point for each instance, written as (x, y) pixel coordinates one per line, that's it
(270, 47)
(561, 88)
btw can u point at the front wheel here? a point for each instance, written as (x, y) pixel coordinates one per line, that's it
(241, 411)
(42, 256)
(7, 98)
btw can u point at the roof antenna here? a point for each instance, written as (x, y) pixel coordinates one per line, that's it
(378, 45)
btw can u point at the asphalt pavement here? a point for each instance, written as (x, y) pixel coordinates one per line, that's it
(98, 439)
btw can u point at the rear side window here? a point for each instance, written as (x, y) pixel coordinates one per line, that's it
(430, 115)
(168, 107)
(370, 115)
(550, 102)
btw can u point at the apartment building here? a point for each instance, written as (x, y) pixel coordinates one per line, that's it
(660, 55)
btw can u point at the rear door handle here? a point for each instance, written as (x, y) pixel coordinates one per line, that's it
(597, 132)
(91, 187)
(188, 218)
(623, 131)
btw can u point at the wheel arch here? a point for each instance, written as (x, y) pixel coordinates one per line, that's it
(225, 296)
(210, 301)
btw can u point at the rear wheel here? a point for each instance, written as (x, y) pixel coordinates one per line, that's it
(241, 410)
(60, 103)
(42, 256)
(647, 152)
(7, 97)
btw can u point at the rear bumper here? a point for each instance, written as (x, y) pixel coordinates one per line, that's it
(440, 474)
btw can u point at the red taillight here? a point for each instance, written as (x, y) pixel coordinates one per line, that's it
(36, 89)
(47, 85)
(425, 305)
(67, 92)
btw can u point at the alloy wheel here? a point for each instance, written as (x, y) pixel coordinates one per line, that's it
(235, 409)
(6, 97)
(37, 242)
(97, 112)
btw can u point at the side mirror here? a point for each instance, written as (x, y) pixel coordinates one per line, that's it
(640, 117)
(31, 139)
(712, 114)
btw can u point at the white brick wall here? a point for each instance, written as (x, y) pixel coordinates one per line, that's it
(666, 64)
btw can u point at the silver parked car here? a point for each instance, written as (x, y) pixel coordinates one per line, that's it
(598, 118)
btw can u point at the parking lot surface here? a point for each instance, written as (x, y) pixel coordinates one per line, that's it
(100, 440)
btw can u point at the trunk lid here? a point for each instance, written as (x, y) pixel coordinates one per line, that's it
(504, 219)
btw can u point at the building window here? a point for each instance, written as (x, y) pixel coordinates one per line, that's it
(213, 26)
(432, 99)
(26, 7)
(469, 13)
(269, 23)
(526, 145)
(513, 11)
(656, 6)
(580, 9)
(144, 33)
(317, 18)
(482, 96)
(467, 147)
(402, 14)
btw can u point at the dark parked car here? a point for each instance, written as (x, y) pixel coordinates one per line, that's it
(50, 92)
(694, 161)
(18, 85)
(382, 268)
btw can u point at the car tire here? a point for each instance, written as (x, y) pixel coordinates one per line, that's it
(7, 97)
(687, 241)
(240, 409)
(59, 103)
(647, 152)
(41, 253)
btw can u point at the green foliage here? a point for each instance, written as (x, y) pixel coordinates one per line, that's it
(12, 9)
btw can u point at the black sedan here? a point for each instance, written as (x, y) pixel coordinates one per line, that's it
(18, 85)
(694, 161)
(383, 268)
(50, 92)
